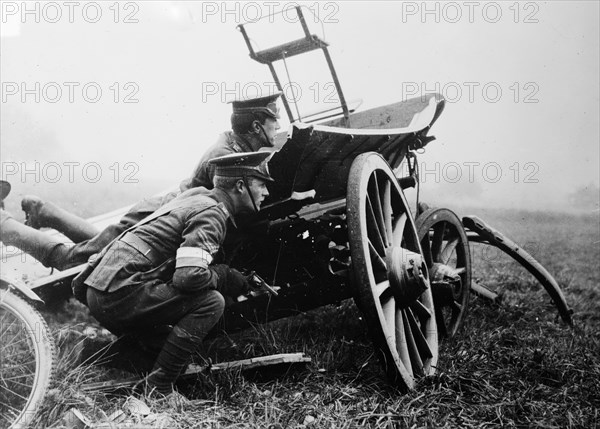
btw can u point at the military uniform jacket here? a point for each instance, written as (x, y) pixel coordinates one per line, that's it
(227, 143)
(187, 237)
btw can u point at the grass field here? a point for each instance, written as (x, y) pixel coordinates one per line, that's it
(513, 364)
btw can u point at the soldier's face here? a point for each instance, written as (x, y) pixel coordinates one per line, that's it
(258, 190)
(271, 127)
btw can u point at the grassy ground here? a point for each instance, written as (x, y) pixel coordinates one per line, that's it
(513, 364)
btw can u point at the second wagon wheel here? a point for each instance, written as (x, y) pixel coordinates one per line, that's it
(446, 249)
(390, 274)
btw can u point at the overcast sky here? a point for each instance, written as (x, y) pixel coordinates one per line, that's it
(522, 81)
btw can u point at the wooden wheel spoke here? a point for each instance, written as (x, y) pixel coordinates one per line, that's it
(401, 345)
(399, 225)
(420, 310)
(446, 316)
(426, 247)
(413, 352)
(376, 217)
(420, 340)
(375, 199)
(447, 251)
(439, 231)
(389, 314)
(441, 322)
(377, 262)
(388, 211)
(373, 230)
(382, 289)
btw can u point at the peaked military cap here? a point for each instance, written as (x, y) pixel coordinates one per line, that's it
(266, 104)
(251, 164)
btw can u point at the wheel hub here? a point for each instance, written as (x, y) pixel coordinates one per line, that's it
(446, 284)
(407, 275)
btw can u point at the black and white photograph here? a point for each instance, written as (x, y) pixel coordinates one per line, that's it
(314, 214)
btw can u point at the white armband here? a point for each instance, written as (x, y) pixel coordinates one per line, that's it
(192, 257)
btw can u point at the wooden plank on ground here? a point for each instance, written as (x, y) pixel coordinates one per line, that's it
(192, 369)
(252, 363)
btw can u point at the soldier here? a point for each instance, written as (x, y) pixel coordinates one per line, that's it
(163, 272)
(254, 123)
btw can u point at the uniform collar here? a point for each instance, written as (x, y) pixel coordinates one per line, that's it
(222, 197)
(244, 141)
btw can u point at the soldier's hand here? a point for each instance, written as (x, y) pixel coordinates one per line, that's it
(238, 283)
(231, 282)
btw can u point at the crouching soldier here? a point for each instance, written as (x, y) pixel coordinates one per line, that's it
(163, 272)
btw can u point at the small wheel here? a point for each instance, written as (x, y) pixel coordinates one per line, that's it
(27, 364)
(390, 276)
(446, 249)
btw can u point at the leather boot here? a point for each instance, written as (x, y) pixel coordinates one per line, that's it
(161, 381)
(171, 361)
(41, 246)
(40, 214)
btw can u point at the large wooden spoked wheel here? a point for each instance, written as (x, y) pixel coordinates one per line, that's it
(446, 249)
(390, 275)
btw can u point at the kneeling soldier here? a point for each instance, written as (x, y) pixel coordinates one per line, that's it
(162, 273)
